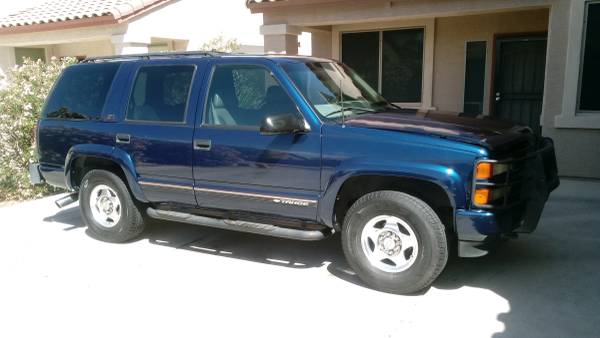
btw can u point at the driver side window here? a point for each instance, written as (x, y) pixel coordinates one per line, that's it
(243, 95)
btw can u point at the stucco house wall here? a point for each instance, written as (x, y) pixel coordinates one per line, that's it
(451, 35)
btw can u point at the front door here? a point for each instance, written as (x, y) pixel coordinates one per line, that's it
(236, 168)
(519, 80)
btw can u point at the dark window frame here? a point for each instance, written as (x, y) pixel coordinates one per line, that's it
(44, 114)
(380, 51)
(203, 122)
(578, 110)
(187, 100)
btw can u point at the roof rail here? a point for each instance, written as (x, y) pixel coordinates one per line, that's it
(149, 56)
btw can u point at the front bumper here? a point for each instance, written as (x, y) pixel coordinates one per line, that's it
(521, 213)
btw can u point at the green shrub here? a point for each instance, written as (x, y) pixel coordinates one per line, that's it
(21, 101)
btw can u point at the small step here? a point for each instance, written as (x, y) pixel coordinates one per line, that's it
(236, 225)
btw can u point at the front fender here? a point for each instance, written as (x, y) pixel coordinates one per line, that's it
(109, 153)
(445, 177)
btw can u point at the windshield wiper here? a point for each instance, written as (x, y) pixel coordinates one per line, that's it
(389, 104)
(346, 108)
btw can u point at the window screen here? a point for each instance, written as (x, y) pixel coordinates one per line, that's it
(589, 99)
(402, 68)
(81, 91)
(399, 75)
(160, 93)
(360, 51)
(243, 95)
(474, 77)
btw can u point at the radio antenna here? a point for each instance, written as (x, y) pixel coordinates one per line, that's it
(342, 105)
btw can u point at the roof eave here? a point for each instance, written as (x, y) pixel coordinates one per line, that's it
(260, 7)
(107, 19)
(59, 25)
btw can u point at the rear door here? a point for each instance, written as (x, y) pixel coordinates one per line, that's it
(157, 127)
(238, 169)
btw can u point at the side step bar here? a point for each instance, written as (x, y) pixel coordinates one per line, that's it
(243, 226)
(66, 200)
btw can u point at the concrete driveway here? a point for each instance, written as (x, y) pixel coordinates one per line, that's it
(185, 280)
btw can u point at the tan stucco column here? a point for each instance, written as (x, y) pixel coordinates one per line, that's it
(125, 44)
(7, 61)
(321, 43)
(281, 38)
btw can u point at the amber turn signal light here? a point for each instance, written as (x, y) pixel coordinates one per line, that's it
(482, 196)
(483, 171)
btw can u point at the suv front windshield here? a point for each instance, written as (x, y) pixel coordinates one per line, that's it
(334, 89)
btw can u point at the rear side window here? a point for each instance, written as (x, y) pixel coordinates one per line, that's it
(160, 93)
(81, 91)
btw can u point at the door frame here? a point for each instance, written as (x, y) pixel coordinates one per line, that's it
(538, 35)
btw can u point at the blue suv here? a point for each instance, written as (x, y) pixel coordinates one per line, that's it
(293, 147)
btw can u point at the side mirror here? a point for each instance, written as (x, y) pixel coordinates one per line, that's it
(282, 124)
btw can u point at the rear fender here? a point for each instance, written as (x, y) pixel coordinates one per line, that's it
(109, 153)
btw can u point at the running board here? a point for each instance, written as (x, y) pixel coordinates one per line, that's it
(66, 200)
(243, 226)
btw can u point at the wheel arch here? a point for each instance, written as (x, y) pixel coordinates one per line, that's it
(344, 192)
(83, 158)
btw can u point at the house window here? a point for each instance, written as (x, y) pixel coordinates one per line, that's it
(29, 53)
(474, 77)
(589, 100)
(390, 61)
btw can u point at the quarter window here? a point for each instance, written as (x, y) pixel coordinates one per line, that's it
(81, 92)
(589, 100)
(243, 95)
(160, 93)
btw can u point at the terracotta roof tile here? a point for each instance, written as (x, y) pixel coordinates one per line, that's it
(65, 10)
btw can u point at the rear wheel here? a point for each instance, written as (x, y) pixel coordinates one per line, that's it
(107, 207)
(394, 241)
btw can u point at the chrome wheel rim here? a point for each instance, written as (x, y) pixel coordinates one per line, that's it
(389, 243)
(105, 205)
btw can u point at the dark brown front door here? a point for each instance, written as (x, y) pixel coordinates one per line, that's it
(519, 79)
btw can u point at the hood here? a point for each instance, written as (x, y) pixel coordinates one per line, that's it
(490, 133)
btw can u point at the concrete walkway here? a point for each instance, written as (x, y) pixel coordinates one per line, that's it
(182, 280)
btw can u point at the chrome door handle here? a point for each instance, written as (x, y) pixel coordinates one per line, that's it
(202, 144)
(123, 138)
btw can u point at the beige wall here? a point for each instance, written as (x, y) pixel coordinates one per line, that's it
(451, 36)
(89, 48)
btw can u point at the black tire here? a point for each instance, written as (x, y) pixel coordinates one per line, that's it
(131, 222)
(432, 253)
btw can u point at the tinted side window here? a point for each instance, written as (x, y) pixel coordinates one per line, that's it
(81, 91)
(243, 95)
(160, 93)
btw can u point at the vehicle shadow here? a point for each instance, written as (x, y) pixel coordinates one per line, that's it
(549, 278)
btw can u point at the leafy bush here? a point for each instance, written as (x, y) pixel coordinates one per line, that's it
(21, 101)
(221, 44)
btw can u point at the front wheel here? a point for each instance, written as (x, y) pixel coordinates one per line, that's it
(394, 242)
(107, 207)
